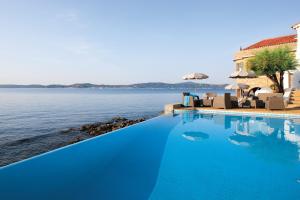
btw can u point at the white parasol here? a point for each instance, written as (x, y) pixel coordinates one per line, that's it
(243, 74)
(237, 86)
(195, 76)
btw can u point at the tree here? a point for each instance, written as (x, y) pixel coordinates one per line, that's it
(273, 64)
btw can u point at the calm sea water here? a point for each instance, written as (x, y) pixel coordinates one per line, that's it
(25, 113)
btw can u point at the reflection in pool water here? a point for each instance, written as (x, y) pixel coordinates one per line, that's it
(195, 135)
(241, 139)
(264, 136)
(244, 157)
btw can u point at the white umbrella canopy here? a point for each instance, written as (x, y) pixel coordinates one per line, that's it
(243, 74)
(195, 76)
(264, 90)
(237, 86)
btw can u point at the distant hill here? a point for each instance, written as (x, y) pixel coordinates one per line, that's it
(153, 85)
(177, 85)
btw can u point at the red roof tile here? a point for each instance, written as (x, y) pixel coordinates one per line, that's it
(273, 41)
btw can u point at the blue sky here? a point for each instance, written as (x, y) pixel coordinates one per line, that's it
(121, 42)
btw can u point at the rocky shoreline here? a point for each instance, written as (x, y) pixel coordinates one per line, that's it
(100, 128)
(26, 148)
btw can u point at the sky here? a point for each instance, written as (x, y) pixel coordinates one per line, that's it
(127, 41)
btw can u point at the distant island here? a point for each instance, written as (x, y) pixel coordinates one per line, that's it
(151, 85)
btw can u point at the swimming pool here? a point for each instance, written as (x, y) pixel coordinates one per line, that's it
(188, 155)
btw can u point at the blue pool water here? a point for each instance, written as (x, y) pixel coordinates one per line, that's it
(188, 155)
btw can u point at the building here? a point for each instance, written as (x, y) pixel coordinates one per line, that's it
(291, 78)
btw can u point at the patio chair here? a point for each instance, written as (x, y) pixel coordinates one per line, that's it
(275, 103)
(208, 99)
(243, 102)
(190, 100)
(255, 102)
(211, 94)
(234, 101)
(265, 96)
(222, 101)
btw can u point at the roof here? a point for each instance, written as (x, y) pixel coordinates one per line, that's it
(273, 41)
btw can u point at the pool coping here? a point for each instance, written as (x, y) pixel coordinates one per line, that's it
(246, 113)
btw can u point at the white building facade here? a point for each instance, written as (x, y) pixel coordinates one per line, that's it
(296, 73)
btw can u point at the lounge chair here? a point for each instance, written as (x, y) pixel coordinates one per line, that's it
(275, 103)
(222, 101)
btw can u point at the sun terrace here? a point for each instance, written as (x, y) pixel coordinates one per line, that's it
(265, 93)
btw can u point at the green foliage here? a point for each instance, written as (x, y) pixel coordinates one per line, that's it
(273, 63)
(268, 62)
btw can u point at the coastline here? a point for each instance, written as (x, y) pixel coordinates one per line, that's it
(25, 148)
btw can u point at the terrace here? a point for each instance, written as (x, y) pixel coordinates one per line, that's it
(261, 88)
(291, 107)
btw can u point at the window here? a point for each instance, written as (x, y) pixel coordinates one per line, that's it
(239, 66)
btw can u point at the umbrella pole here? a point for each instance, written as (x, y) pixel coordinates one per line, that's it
(196, 88)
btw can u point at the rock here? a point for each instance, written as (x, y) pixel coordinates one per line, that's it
(69, 130)
(111, 125)
(118, 119)
(77, 139)
(93, 132)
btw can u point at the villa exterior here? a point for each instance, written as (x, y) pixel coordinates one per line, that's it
(291, 78)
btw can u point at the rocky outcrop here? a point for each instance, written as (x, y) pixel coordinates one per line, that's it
(100, 128)
(114, 124)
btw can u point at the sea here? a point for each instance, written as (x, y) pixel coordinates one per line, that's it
(26, 113)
